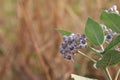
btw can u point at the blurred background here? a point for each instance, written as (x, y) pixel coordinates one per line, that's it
(29, 42)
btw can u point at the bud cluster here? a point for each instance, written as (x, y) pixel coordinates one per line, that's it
(71, 44)
(113, 9)
(109, 34)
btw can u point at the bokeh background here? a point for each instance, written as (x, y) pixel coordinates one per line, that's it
(29, 42)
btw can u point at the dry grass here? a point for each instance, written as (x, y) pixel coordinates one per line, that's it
(29, 43)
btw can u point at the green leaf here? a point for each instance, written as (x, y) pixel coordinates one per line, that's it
(76, 77)
(94, 32)
(112, 44)
(111, 20)
(63, 32)
(110, 58)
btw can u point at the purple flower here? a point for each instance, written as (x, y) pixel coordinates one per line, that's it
(113, 9)
(67, 57)
(108, 38)
(71, 44)
(109, 34)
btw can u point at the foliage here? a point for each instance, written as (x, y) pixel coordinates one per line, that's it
(110, 58)
(96, 33)
(111, 20)
(63, 32)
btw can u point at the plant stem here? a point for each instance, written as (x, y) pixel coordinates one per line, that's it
(102, 47)
(106, 69)
(107, 73)
(94, 50)
(87, 56)
(117, 75)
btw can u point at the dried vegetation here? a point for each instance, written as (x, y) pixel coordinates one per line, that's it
(29, 43)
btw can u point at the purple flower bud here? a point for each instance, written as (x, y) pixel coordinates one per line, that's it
(113, 9)
(71, 44)
(67, 57)
(83, 42)
(110, 10)
(108, 37)
(71, 47)
(64, 45)
(65, 38)
(62, 51)
(83, 36)
(111, 32)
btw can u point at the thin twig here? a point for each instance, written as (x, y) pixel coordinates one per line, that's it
(107, 73)
(94, 50)
(87, 56)
(117, 75)
(106, 69)
(102, 47)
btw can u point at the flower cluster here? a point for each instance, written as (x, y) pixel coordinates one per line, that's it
(71, 44)
(113, 9)
(109, 34)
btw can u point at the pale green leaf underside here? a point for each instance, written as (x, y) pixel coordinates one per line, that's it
(109, 58)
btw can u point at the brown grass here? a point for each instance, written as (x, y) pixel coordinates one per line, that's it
(29, 41)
